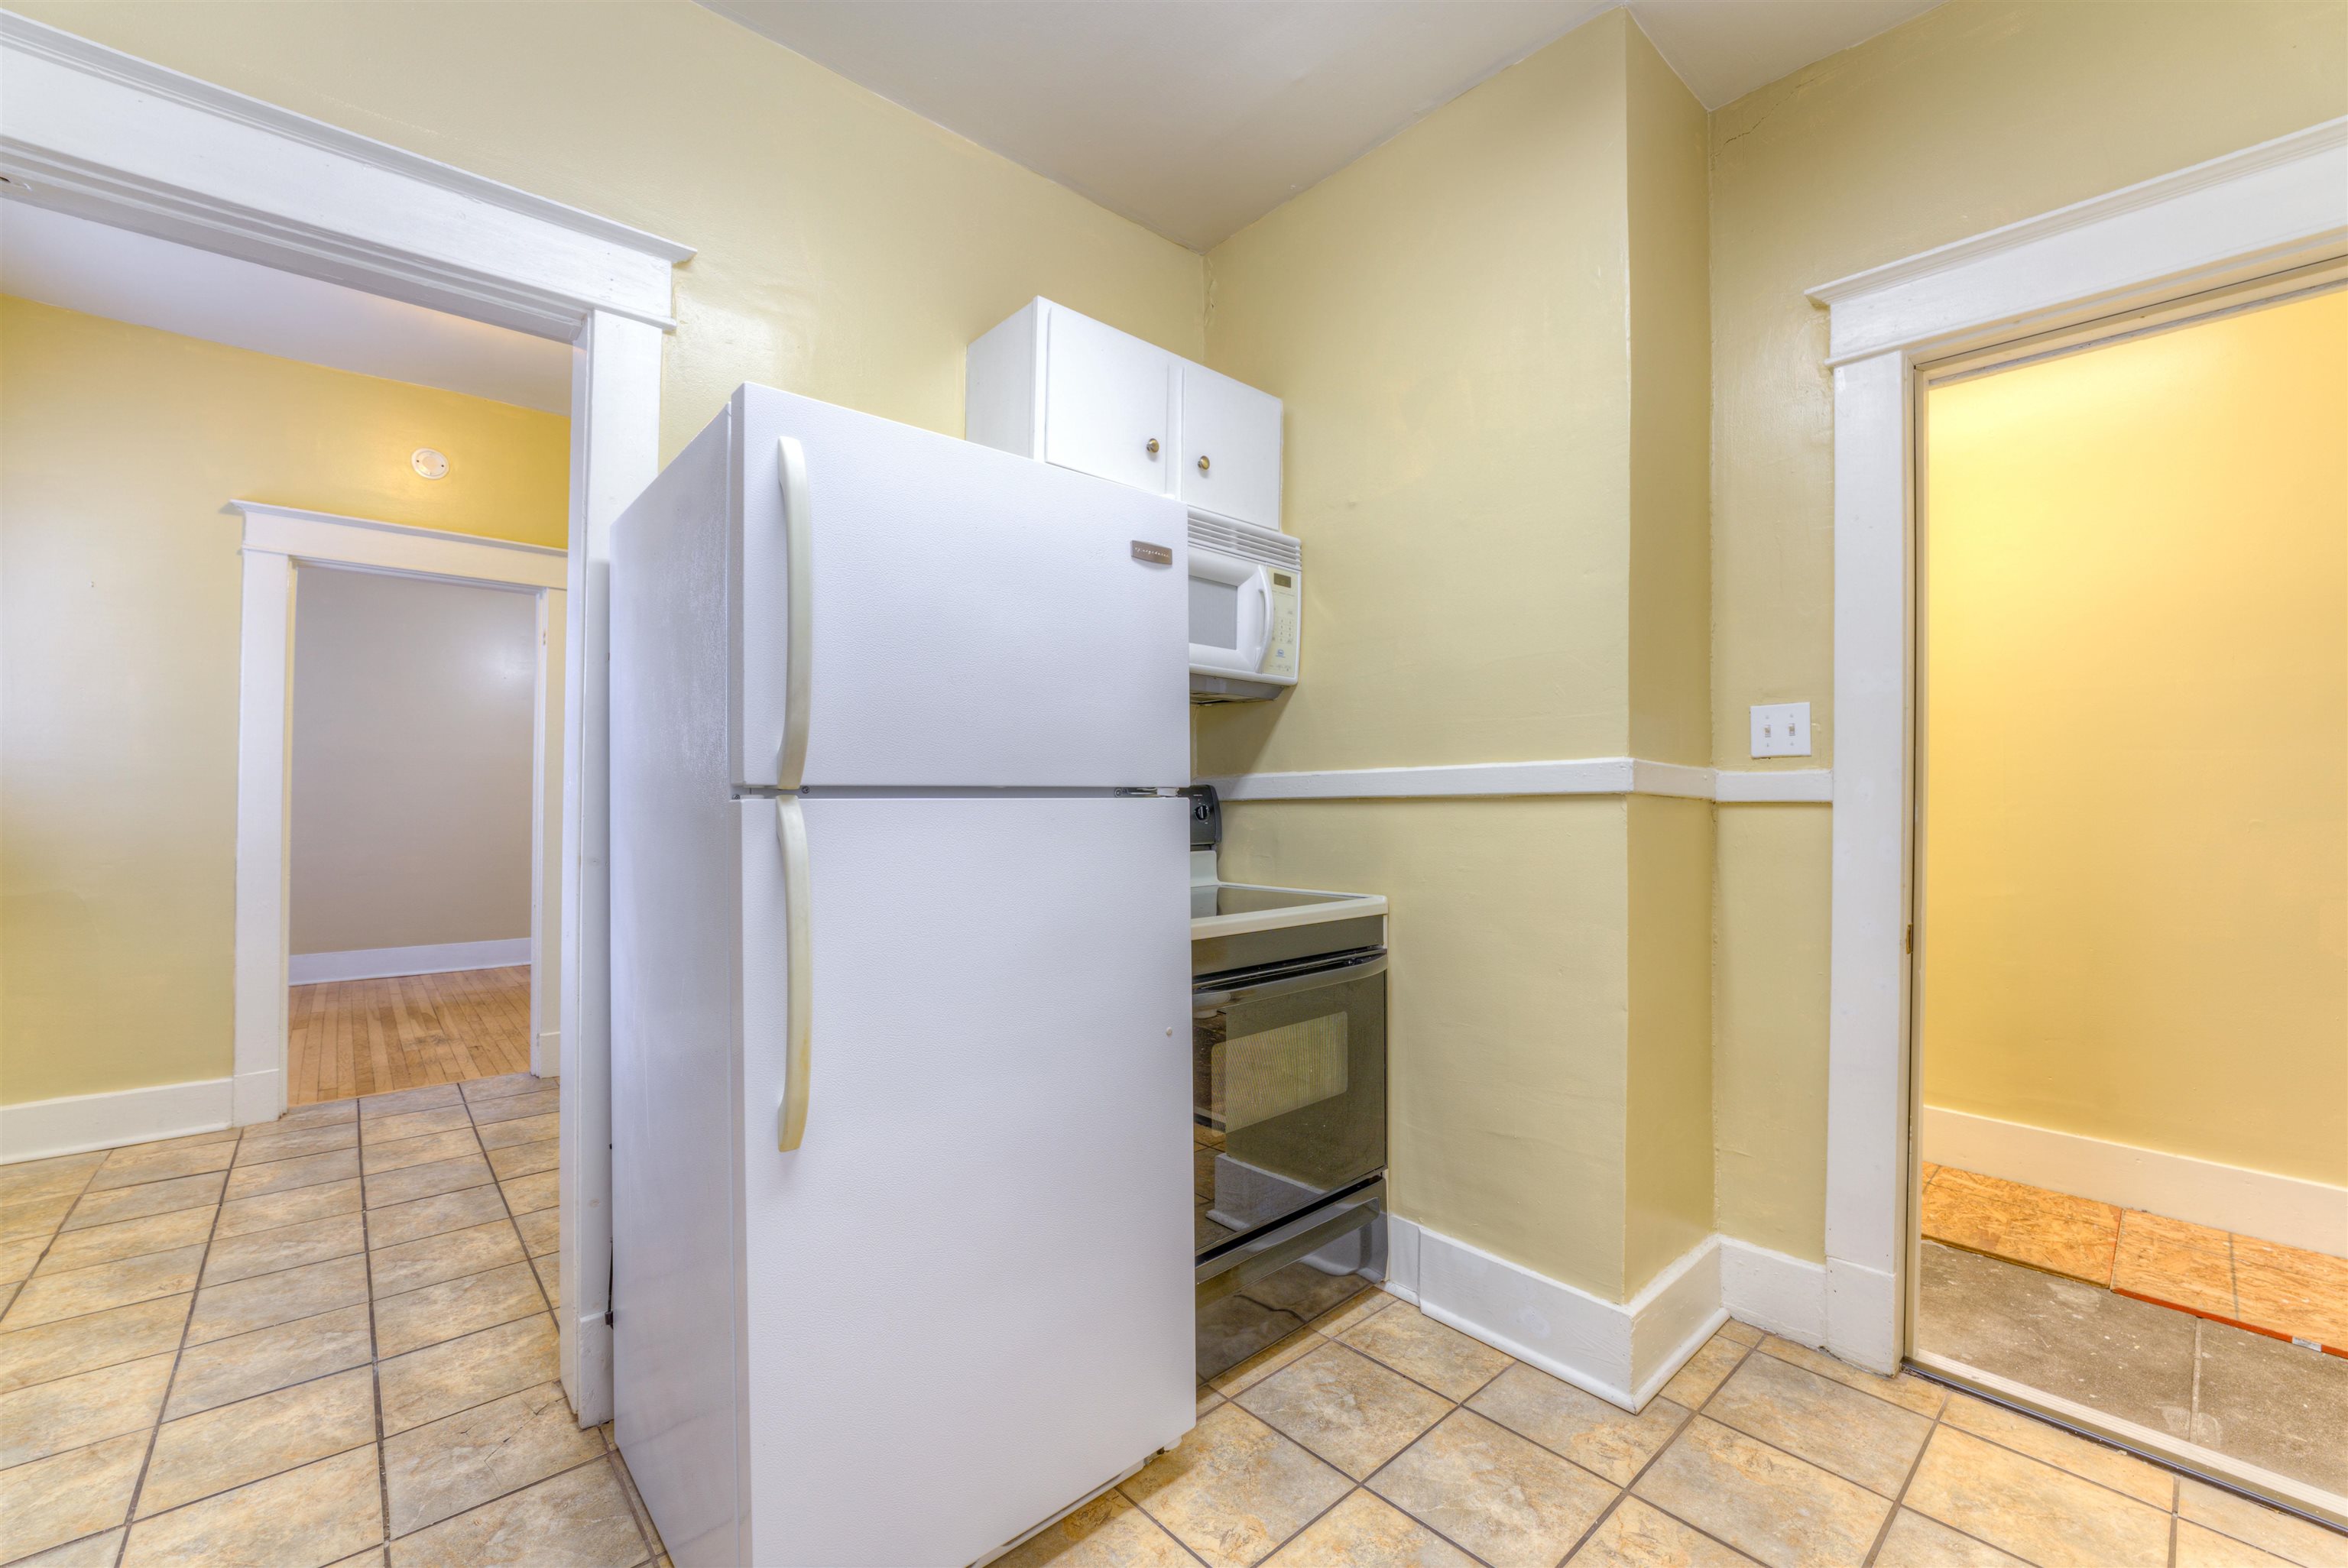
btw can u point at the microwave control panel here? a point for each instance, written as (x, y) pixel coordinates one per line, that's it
(1280, 653)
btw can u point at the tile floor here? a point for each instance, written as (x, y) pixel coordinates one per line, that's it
(2257, 1285)
(1376, 1436)
(319, 1342)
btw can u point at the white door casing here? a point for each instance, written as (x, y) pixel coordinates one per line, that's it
(2214, 227)
(96, 132)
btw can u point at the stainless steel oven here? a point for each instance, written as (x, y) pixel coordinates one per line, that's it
(1288, 1072)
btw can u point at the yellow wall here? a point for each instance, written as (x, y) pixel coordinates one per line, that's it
(118, 653)
(849, 249)
(2136, 743)
(1973, 114)
(1490, 334)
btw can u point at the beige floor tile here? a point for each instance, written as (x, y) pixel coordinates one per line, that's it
(2053, 1231)
(379, 1159)
(1743, 1333)
(526, 1159)
(1106, 1533)
(1905, 1391)
(35, 1216)
(1704, 1371)
(325, 1113)
(426, 1181)
(223, 1311)
(224, 1370)
(434, 1215)
(412, 1264)
(636, 1499)
(542, 1231)
(418, 1124)
(143, 1162)
(550, 1278)
(458, 1374)
(2300, 1293)
(439, 1470)
(1345, 1408)
(1233, 1489)
(262, 1148)
(1426, 1351)
(1366, 1530)
(2294, 1540)
(521, 1130)
(1509, 1501)
(1871, 1441)
(284, 1175)
(86, 1407)
(514, 1107)
(1916, 1542)
(17, 1257)
(579, 1519)
(65, 1175)
(1769, 1505)
(529, 1194)
(2065, 1451)
(1208, 1399)
(1265, 1362)
(96, 1339)
(477, 1090)
(231, 1445)
(288, 1208)
(400, 1101)
(47, 1297)
(1638, 1536)
(1339, 1318)
(454, 1307)
(68, 1495)
(2171, 1261)
(89, 1551)
(2033, 1510)
(373, 1557)
(151, 1198)
(318, 1514)
(1603, 1439)
(2199, 1547)
(288, 1247)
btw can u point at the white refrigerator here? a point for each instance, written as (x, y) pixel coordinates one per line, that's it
(900, 1025)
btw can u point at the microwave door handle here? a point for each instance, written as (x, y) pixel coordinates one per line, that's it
(790, 833)
(1361, 969)
(1252, 657)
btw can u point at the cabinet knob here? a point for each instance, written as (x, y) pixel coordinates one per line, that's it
(1153, 446)
(1202, 462)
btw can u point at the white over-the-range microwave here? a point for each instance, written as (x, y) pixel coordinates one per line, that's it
(1247, 602)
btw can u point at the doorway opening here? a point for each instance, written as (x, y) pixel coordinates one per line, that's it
(2131, 983)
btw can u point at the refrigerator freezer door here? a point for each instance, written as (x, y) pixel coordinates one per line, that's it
(974, 619)
(967, 1294)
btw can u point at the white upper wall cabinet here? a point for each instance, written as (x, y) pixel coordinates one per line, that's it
(1052, 384)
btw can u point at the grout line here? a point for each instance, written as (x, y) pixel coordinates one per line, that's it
(1899, 1498)
(374, 1344)
(1678, 1434)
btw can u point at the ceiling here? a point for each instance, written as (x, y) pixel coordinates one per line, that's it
(60, 260)
(1195, 117)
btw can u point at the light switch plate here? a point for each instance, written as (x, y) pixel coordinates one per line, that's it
(1781, 730)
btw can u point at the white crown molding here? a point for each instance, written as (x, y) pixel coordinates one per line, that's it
(92, 131)
(362, 544)
(2269, 206)
(1563, 776)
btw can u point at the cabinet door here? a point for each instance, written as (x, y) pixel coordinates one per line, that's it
(1231, 448)
(1108, 400)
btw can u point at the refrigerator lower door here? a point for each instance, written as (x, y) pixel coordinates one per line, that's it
(966, 1295)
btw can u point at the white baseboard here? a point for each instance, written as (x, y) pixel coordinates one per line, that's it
(1785, 1295)
(433, 958)
(258, 1096)
(38, 1129)
(1564, 776)
(546, 1055)
(2286, 1209)
(1623, 1352)
(1863, 1316)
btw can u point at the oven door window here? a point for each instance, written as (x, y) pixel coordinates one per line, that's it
(1290, 1097)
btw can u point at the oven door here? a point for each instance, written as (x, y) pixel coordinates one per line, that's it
(1230, 613)
(1288, 1072)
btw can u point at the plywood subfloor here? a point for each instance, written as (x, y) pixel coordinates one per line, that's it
(407, 1032)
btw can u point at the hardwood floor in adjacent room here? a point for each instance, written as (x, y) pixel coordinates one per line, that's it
(368, 1036)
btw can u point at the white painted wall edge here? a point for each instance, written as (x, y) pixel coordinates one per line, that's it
(2286, 1209)
(1567, 775)
(41, 1128)
(1786, 1295)
(430, 959)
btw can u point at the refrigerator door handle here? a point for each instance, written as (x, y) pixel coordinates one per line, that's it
(790, 831)
(799, 551)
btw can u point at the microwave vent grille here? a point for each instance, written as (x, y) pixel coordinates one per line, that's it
(1248, 544)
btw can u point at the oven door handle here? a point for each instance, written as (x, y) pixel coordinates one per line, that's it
(1204, 1002)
